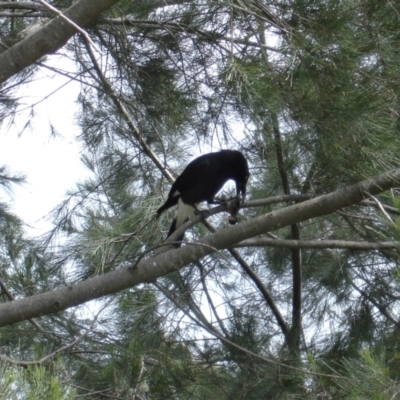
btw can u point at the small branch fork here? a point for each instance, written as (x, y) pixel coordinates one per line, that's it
(381, 207)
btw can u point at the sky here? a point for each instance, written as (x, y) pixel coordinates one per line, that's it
(51, 164)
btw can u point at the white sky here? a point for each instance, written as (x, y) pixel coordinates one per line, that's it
(51, 165)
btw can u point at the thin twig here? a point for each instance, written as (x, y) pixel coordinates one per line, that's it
(121, 108)
(209, 328)
(378, 203)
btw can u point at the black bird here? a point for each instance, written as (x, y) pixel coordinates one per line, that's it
(202, 179)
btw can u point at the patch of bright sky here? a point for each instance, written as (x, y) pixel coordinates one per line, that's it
(51, 164)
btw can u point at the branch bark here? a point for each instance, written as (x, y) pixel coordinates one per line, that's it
(148, 270)
(318, 244)
(51, 37)
(295, 331)
(21, 5)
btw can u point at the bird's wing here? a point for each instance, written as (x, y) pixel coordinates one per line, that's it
(196, 171)
(191, 175)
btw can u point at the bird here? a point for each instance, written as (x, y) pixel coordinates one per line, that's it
(201, 180)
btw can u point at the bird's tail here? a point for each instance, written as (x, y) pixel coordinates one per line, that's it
(171, 201)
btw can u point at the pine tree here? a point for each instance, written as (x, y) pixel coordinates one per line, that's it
(300, 298)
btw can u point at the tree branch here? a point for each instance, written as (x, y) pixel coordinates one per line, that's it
(148, 270)
(31, 320)
(294, 340)
(49, 38)
(317, 244)
(21, 5)
(23, 14)
(59, 350)
(65, 18)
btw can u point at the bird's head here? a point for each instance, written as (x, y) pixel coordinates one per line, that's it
(240, 169)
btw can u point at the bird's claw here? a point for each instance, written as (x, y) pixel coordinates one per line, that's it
(223, 199)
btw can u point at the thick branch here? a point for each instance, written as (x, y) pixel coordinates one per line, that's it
(148, 270)
(12, 298)
(49, 38)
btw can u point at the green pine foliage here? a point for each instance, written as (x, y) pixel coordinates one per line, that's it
(308, 91)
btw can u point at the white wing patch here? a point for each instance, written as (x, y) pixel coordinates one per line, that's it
(183, 213)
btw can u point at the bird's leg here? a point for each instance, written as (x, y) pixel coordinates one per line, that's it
(203, 213)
